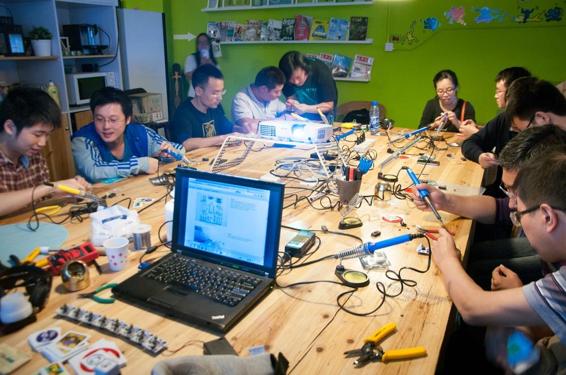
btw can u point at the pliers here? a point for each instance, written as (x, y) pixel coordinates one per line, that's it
(94, 296)
(372, 352)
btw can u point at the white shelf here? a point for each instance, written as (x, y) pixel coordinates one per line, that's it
(348, 79)
(73, 109)
(278, 6)
(88, 57)
(367, 41)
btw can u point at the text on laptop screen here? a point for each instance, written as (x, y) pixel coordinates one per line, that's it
(228, 220)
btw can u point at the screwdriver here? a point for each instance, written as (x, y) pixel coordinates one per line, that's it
(424, 194)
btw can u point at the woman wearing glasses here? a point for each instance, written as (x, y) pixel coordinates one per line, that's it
(446, 111)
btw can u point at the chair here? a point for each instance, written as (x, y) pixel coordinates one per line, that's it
(345, 108)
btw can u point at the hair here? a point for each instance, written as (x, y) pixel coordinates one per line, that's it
(203, 73)
(293, 60)
(27, 106)
(508, 75)
(210, 53)
(445, 74)
(270, 77)
(543, 180)
(109, 95)
(530, 144)
(528, 95)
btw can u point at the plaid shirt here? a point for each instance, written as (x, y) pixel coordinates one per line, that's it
(27, 173)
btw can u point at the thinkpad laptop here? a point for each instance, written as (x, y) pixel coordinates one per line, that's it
(224, 251)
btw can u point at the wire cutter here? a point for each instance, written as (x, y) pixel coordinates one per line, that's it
(372, 352)
(98, 299)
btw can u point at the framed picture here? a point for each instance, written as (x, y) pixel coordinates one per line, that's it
(65, 46)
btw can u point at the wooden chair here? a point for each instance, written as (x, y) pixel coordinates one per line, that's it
(345, 108)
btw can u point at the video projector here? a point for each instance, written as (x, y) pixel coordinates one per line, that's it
(295, 131)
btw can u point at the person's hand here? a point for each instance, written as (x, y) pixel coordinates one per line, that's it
(437, 197)
(166, 150)
(247, 126)
(453, 118)
(503, 278)
(76, 182)
(296, 106)
(444, 248)
(467, 129)
(152, 165)
(487, 160)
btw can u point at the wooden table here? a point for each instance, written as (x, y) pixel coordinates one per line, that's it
(303, 322)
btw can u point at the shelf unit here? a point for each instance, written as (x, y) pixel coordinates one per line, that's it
(279, 6)
(349, 79)
(87, 57)
(27, 58)
(310, 41)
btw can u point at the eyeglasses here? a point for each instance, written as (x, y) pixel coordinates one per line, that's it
(112, 120)
(219, 94)
(449, 90)
(517, 215)
(506, 191)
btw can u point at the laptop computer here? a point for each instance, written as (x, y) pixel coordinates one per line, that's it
(224, 251)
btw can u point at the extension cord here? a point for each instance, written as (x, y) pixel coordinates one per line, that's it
(364, 146)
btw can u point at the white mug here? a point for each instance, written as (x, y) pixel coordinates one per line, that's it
(117, 252)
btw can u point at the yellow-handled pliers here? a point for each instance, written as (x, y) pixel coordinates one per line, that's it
(372, 352)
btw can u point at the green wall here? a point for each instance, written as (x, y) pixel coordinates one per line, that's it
(402, 79)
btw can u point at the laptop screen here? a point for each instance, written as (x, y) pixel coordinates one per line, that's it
(228, 219)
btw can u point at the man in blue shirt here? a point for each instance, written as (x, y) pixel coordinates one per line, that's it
(200, 121)
(112, 146)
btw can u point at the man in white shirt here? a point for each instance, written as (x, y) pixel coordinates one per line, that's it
(259, 101)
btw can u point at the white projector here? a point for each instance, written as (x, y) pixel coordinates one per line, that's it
(294, 131)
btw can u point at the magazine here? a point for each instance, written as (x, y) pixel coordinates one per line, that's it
(302, 27)
(319, 29)
(338, 29)
(288, 29)
(253, 30)
(326, 58)
(358, 28)
(361, 67)
(274, 29)
(341, 66)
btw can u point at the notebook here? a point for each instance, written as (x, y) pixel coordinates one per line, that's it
(224, 251)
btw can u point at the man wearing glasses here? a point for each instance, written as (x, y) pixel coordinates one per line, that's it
(541, 211)
(509, 253)
(534, 102)
(112, 146)
(200, 121)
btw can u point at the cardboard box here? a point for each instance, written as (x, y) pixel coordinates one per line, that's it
(147, 107)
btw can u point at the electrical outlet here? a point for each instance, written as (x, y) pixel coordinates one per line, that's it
(389, 47)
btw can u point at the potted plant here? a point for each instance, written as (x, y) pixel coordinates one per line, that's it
(41, 41)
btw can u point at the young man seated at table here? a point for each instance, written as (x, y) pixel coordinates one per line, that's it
(538, 306)
(112, 146)
(512, 253)
(310, 87)
(27, 116)
(200, 121)
(259, 101)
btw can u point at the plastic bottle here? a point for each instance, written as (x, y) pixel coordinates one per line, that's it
(53, 92)
(374, 118)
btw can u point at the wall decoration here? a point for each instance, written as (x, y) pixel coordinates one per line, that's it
(456, 15)
(487, 15)
(554, 14)
(431, 23)
(527, 15)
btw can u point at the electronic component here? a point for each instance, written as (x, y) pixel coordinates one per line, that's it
(85, 252)
(219, 346)
(300, 244)
(350, 222)
(351, 278)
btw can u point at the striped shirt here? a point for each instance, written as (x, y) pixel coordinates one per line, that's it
(547, 297)
(28, 172)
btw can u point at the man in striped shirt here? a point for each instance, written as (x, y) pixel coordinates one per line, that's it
(541, 211)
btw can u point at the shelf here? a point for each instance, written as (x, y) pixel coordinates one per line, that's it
(301, 5)
(27, 58)
(367, 41)
(88, 57)
(74, 109)
(348, 79)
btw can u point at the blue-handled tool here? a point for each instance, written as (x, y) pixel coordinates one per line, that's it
(424, 194)
(177, 156)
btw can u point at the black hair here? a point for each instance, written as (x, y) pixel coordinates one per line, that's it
(528, 95)
(530, 144)
(293, 60)
(445, 74)
(27, 106)
(270, 77)
(543, 180)
(203, 73)
(508, 75)
(108, 95)
(210, 52)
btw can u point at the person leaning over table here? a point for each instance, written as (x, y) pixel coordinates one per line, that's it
(200, 121)
(513, 253)
(541, 212)
(28, 116)
(310, 87)
(112, 145)
(456, 110)
(259, 101)
(482, 146)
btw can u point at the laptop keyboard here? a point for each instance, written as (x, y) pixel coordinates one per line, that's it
(219, 284)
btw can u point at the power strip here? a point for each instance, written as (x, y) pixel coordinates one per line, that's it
(364, 146)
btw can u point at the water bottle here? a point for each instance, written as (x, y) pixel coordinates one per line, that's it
(374, 118)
